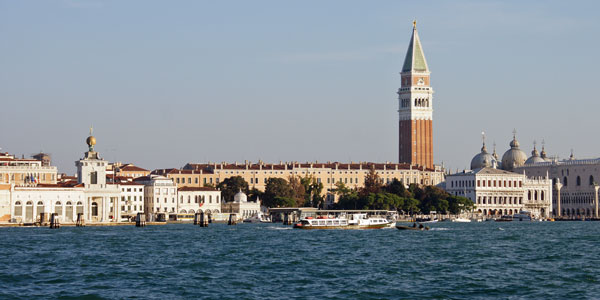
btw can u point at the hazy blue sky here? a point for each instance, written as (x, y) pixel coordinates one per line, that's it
(170, 82)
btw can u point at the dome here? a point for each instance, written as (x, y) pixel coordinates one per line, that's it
(483, 160)
(535, 157)
(543, 155)
(514, 157)
(240, 197)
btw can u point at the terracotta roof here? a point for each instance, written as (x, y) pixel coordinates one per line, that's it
(132, 168)
(196, 189)
(291, 166)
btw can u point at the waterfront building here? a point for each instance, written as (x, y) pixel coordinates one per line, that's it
(241, 206)
(575, 186)
(198, 199)
(20, 171)
(132, 198)
(498, 192)
(351, 174)
(102, 199)
(415, 97)
(5, 204)
(160, 194)
(65, 199)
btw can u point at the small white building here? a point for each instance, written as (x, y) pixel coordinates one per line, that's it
(29, 202)
(196, 199)
(241, 206)
(160, 195)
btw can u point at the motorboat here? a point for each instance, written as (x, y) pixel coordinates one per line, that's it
(522, 216)
(461, 220)
(507, 218)
(258, 218)
(348, 221)
(414, 227)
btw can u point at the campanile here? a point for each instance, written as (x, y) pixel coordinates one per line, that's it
(415, 98)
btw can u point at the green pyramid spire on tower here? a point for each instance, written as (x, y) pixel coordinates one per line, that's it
(415, 59)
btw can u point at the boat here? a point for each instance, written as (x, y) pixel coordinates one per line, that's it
(522, 216)
(258, 218)
(461, 220)
(349, 221)
(435, 220)
(420, 227)
(505, 219)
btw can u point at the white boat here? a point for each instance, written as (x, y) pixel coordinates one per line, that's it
(461, 220)
(349, 221)
(258, 218)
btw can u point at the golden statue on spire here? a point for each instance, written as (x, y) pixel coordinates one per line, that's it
(415, 23)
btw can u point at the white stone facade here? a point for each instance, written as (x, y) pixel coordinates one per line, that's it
(160, 196)
(196, 199)
(497, 192)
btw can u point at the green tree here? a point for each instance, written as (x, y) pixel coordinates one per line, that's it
(411, 206)
(372, 184)
(397, 187)
(231, 186)
(386, 201)
(458, 204)
(313, 189)
(277, 187)
(299, 190)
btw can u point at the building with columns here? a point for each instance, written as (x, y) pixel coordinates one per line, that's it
(575, 186)
(102, 200)
(415, 97)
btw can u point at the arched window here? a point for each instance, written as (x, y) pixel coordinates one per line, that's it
(578, 181)
(591, 180)
(18, 208)
(210, 199)
(565, 181)
(189, 199)
(536, 196)
(529, 195)
(542, 196)
(181, 199)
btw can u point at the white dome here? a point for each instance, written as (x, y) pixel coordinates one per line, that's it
(514, 157)
(240, 197)
(535, 157)
(483, 160)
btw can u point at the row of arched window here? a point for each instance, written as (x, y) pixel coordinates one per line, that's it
(199, 199)
(577, 181)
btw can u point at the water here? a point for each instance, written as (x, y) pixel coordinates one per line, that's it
(249, 261)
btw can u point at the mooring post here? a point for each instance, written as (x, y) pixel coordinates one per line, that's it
(140, 220)
(232, 220)
(197, 219)
(203, 219)
(54, 222)
(286, 218)
(80, 222)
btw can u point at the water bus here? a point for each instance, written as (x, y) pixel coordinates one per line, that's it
(332, 219)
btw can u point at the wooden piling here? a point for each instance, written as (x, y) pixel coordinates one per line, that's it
(54, 221)
(232, 219)
(140, 220)
(80, 222)
(204, 219)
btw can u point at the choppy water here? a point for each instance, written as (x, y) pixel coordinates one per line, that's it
(476, 260)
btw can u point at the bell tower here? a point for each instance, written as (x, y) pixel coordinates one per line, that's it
(415, 97)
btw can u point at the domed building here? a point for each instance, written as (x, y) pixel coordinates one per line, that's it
(535, 157)
(483, 160)
(514, 157)
(241, 206)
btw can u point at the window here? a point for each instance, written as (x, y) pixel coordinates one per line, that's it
(94, 177)
(181, 199)
(94, 209)
(189, 199)
(177, 180)
(189, 179)
(565, 181)
(591, 180)
(578, 181)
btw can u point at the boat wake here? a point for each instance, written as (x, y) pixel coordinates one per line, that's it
(439, 229)
(279, 228)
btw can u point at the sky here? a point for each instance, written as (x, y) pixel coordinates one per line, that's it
(164, 83)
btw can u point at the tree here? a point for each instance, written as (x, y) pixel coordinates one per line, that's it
(397, 187)
(299, 190)
(276, 187)
(231, 186)
(313, 190)
(386, 201)
(372, 184)
(458, 204)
